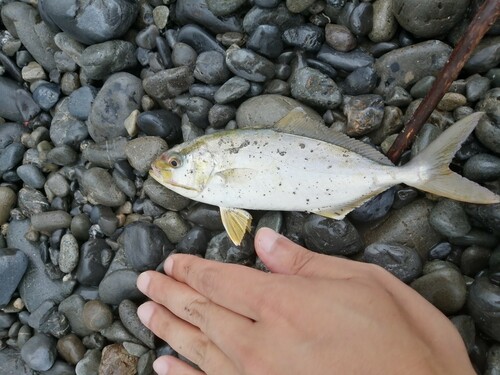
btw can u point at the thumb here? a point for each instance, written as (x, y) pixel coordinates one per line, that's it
(283, 256)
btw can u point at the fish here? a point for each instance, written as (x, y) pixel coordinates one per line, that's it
(300, 165)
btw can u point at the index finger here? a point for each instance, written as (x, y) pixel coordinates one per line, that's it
(238, 288)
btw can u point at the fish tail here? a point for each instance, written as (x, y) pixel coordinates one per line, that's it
(429, 170)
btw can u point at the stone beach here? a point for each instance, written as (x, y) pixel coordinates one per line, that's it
(90, 97)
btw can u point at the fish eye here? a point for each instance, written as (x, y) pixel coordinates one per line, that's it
(174, 161)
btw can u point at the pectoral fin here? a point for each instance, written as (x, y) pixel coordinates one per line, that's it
(236, 222)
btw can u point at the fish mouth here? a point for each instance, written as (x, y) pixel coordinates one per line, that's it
(165, 178)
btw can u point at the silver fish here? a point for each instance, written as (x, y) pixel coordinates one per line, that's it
(300, 167)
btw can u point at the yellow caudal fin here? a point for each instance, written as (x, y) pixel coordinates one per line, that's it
(429, 170)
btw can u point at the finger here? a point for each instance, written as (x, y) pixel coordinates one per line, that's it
(170, 365)
(283, 256)
(184, 338)
(235, 287)
(218, 323)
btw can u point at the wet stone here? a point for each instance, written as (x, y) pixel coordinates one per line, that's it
(339, 37)
(69, 253)
(220, 248)
(465, 326)
(70, 348)
(164, 197)
(402, 261)
(422, 87)
(100, 60)
(197, 109)
(10, 157)
(13, 265)
(105, 153)
(30, 201)
(97, 315)
(219, 115)
(39, 352)
(50, 221)
(233, 89)
(66, 129)
(100, 188)
(266, 40)
(279, 16)
(476, 87)
(482, 167)
(80, 102)
(347, 61)
(119, 285)
(169, 83)
(224, 8)
(384, 24)
(199, 39)
(375, 208)
(307, 37)
(141, 152)
(360, 81)
(247, 64)
(62, 155)
(145, 245)
(332, 237)
(194, 242)
(128, 315)
(482, 304)
(57, 185)
(95, 257)
(173, 225)
(361, 19)
(211, 68)
(364, 114)
(89, 364)
(449, 218)
(474, 259)
(184, 55)
(46, 95)
(485, 56)
(315, 88)
(31, 175)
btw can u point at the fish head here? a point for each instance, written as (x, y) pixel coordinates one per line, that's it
(184, 169)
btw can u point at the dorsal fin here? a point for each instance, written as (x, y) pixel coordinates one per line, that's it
(297, 122)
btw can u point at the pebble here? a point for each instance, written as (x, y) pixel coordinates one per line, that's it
(161, 14)
(360, 81)
(11, 359)
(97, 315)
(221, 249)
(160, 123)
(173, 225)
(194, 242)
(57, 185)
(233, 89)
(62, 155)
(220, 114)
(197, 111)
(339, 37)
(164, 197)
(451, 101)
(184, 55)
(476, 88)
(95, 257)
(13, 265)
(128, 315)
(398, 68)
(444, 287)
(474, 259)
(430, 19)
(116, 360)
(66, 129)
(47, 95)
(80, 102)
(93, 23)
(100, 60)
(33, 72)
(384, 23)
(482, 304)
(361, 19)
(249, 65)
(31, 201)
(50, 221)
(39, 352)
(199, 39)
(306, 37)
(145, 245)
(224, 8)
(482, 167)
(119, 285)
(364, 114)
(10, 157)
(9, 109)
(375, 208)
(89, 364)
(266, 41)
(422, 87)
(485, 56)
(465, 326)
(8, 199)
(211, 68)
(315, 88)
(168, 83)
(448, 217)
(72, 308)
(118, 97)
(70, 348)
(402, 261)
(106, 153)
(69, 253)
(347, 61)
(100, 188)
(141, 152)
(332, 237)
(279, 16)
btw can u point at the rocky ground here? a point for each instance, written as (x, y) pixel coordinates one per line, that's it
(89, 96)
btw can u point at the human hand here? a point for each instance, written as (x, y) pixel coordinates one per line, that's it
(314, 314)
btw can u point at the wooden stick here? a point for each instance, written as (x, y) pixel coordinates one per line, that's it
(482, 21)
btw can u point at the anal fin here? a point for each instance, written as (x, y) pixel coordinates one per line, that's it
(339, 212)
(236, 222)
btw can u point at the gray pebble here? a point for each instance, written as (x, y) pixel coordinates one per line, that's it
(384, 23)
(247, 64)
(474, 259)
(482, 167)
(46, 95)
(106, 153)
(449, 218)
(128, 315)
(58, 185)
(485, 56)
(199, 39)
(173, 225)
(72, 308)
(118, 333)
(364, 114)
(69, 253)
(95, 257)
(70, 348)
(66, 129)
(8, 199)
(279, 16)
(224, 8)
(307, 37)
(197, 11)
(184, 55)
(141, 152)
(89, 364)
(347, 61)
(233, 89)
(31, 175)
(169, 83)
(100, 188)
(482, 304)
(211, 68)
(80, 226)
(39, 352)
(315, 88)
(422, 87)
(30, 201)
(62, 155)
(50, 221)
(119, 285)
(340, 37)
(13, 265)
(80, 102)
(402, 261)
(266, 41)
(476, 87)
(97, 315)
(164, 197)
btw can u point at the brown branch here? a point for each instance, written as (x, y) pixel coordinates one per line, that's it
(482, 21)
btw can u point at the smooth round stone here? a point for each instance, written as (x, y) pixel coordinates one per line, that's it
(384, 24)
(160, 123)
(66, 129)
(375, 208)
(69, 253)
(307, 37)
(391, 123)
(361, 19)
(297, 6)
(422, 87)
(347, 61)
(220, 114)
(247, 64)
(47, 95)
(279, 16)
(233, 89)
(164, 197)
(197, 11)
(340, 37)
(106, 153)
(97, 315)
(100, 188)
(476, 87)
(221, 249)
(278, 87)
(93, 23)
(8, 199)
(58, 185)
(315, 88)
(141, 152)
(440, 251)
(146, 38)
(128, 315)
(9, 109)
(169, 83)
(95, 257)
(211, 68)
(194, 242)
(486, 214)
(60, 368)
(267, 3)
(402, 261)
(332, 237)
(444, 287)
(482, 167)
(70, 348)
(119, 285)
(429, 19)
(80, 226)
(100, 60)
(10, 157)
(145, 245)
(465, 326)
(266, 40)
(360, 81)
(119, 96)
(50, 221)
(173, 225)
(474, 259)
(364, 114)
(493, 360)
(62, 155)
(205, 216)
(448, 217)
(13, 265)
(80, 102)
(197, 111)
(224, 8)
(30, 202)
(184, 55)
(398, 68)
(398, 96)
(490, 104)
(451, 101)
(484, 56)
(70, 81)
(31, 175)
(161, 14)
(199, 39)
(482, 304)
(39, 352)
(89, 364)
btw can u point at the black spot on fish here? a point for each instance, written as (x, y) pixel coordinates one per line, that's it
(282, 153)
(301, 145)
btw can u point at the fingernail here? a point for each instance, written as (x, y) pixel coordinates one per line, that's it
(160, 367)
(267, 239)
(169, 263)
(144, 312)
(143, 282)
